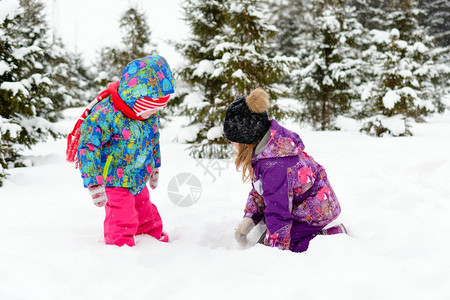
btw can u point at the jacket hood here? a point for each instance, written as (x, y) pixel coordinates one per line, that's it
(146, 77)
(282, 143)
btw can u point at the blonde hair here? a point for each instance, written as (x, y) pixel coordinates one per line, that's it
(244, 160)
(257, 102)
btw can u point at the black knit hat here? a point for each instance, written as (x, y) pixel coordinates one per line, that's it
(243, 126)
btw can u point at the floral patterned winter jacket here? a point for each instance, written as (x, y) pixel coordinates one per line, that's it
(117, 151)
(289, 186)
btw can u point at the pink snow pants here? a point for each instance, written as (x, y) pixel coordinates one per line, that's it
(128, 215)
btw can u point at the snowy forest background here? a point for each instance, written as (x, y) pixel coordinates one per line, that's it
(379, 66)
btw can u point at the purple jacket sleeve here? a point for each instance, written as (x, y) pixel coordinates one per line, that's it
(275, 193)
(254, 208)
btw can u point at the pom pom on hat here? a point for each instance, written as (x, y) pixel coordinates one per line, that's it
(258, 101)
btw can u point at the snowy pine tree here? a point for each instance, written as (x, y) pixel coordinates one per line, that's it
(232, 38)
(327, 78)
(8, 130)
(206, 20)
(436, 16)
(243, 53)
(25, 103)
(72, 83)
(371, 12)
(135, 43)
(292, 18)
(30, 33)
(405, 73)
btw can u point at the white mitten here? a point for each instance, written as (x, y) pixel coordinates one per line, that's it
(98, 195)
(243, 230)
(154, 177)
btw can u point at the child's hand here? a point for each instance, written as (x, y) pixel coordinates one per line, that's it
(243, 230)
(154, 177)
(98, 195)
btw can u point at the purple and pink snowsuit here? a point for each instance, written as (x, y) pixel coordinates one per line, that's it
(291, 192)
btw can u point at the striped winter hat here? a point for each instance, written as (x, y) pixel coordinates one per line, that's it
(146, 103)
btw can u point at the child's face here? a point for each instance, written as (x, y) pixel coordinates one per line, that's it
(148, 114)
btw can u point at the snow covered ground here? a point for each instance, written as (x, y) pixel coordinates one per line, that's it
(394, 194)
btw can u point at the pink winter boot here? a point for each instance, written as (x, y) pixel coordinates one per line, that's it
(164, 237)
(334, 230)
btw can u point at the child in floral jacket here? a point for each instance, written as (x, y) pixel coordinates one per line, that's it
(116, 145)
(291, 192)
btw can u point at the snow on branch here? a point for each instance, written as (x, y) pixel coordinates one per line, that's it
(6, 125)
(9, 9)
(15, 87)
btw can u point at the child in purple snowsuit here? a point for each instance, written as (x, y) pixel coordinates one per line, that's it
(291, 192)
